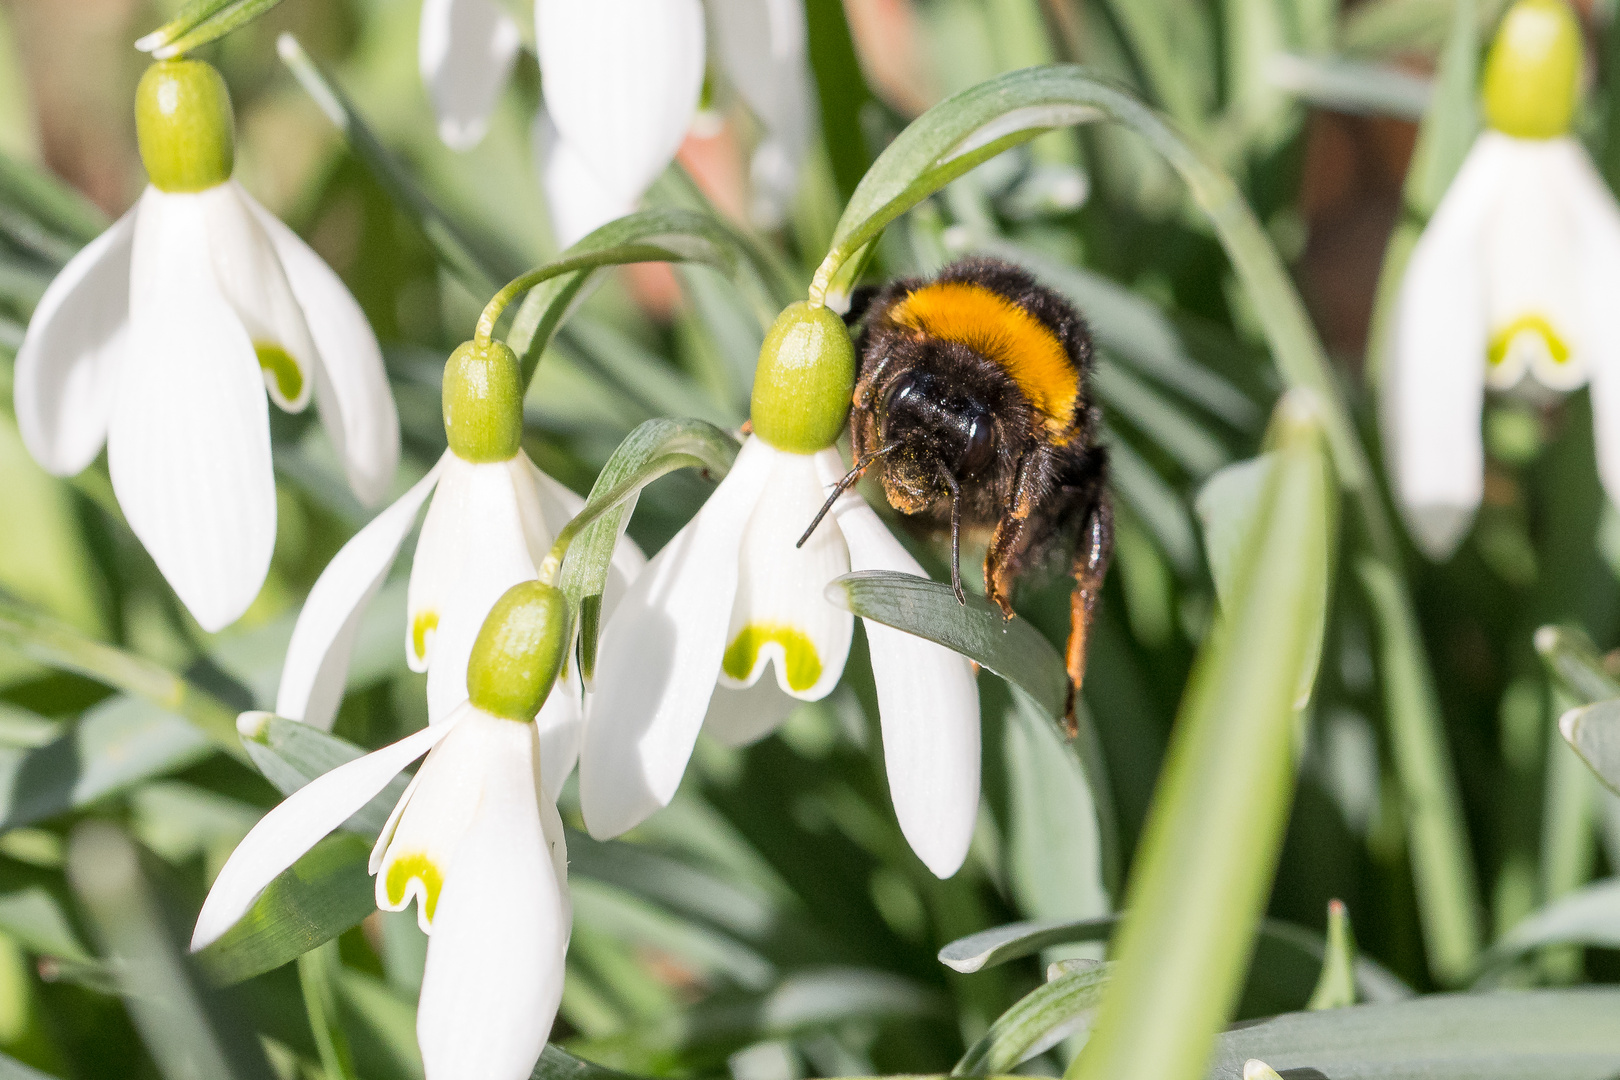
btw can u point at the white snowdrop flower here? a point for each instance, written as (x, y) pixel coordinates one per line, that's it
(1511, 286)
(491, 522)
(622, 80)
(475, 840)
(162, 337)
(730, 596)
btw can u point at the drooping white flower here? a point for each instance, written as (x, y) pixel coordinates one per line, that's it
(1511, 286)
(162, 337)
(730, 596)
(492, 519)
(622, 81)
(477, 843)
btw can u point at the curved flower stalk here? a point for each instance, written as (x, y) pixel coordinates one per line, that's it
(491, 521)
(731, 595)
(1511, 287)
(622, 80)
(162, 337)
(475, 840)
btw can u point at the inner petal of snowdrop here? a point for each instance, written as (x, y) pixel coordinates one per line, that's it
(414, 852)
(781, 612)
(1528, 343)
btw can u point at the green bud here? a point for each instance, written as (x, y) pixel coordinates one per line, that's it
(519, 651)
(184, 123)
(483, 402)
(1533, 72)
(804, 381)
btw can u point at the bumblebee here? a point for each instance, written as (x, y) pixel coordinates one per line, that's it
(973, 401)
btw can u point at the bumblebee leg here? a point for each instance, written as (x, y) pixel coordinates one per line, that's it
(1090, 565)
(1001, 560)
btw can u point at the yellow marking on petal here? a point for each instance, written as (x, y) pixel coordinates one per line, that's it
(1002, 331)
(1501, 341)
(415, 867)
(801, 661)
(424, 624)
(279, 365)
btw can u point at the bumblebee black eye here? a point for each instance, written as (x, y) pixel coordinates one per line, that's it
(906, 393)
(979, 447)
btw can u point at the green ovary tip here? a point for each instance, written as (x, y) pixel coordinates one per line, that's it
(800, 661)
(279, 366)
(418, 867)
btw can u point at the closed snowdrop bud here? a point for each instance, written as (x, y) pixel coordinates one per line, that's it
(804, 380)
(483, 402)
(185, 126)
(1255, 1069)
(519, 651)
(1511, 287)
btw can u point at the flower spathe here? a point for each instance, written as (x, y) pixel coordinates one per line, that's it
(622, 80)
(477, 843)
(488, 527)
(1510, 288)
(161, 339)
(690, 644)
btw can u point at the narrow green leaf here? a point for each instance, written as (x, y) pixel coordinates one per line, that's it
(200, 22)
(1015, 941)
(558, 1064)
(290, 754)
(12, 1069)
(1442, 869)
(1337, 986)
(1012, 648)
(1214, 831)
(1569, 1034)
(1576, 663)
(36, 920)
(1351, 86)
(189, 1032)
(43, 214)
(1588, 916)
(1228, 505)
(1594, 733)
(1039, 1020)
(51, 643)
(844, 96)
(321, 895)
(318, 970)
(1163, 422)
(654, 449)
(1157, 505)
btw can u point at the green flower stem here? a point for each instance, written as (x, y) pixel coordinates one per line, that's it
(1568, 842)
(49, 642)
(594, 260)
(316, 971)
(920, 162)
(200, 22)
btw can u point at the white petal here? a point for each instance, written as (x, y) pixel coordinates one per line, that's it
(1598, 271)
(487, 527)
(580, 202)
(559, 728)
(928, 703)
(465, 51)
(189, 440)
(251, 277)
(1531, 295)
(317, 662)
(762, 44)
(781, 613)
(441, 803)
(500, 937)
(621, 80)
(351, 387)
(67, 367)
(660, 654)
(1433, 388)
(296, 825)
(740, 717)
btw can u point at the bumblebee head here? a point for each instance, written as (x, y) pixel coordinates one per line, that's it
(942, 437)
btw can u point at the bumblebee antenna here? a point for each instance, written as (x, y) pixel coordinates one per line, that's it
(956, 537)
(842, 486)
